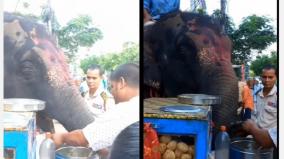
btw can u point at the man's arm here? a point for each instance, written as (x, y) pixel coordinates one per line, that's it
(261, 136)
(147, 16)
(73, 138)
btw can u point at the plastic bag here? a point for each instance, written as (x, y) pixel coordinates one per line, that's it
(151, 143)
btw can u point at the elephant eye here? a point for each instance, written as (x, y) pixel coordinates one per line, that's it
(27, 69)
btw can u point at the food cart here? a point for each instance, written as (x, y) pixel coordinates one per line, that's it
(19, 120)
(187, 115)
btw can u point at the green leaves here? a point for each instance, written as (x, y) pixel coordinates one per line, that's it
(130, 53)
(263, 60)
(254, 33)
(79, 32)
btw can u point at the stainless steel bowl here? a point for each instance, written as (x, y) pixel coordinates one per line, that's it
(199, 99)
(71, 152)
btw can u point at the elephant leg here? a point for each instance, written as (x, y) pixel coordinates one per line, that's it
(45, 123)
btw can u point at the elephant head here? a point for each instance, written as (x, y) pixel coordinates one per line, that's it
(35, 68)
(188, 53)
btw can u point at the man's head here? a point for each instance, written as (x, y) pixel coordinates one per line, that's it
(124, 82)
(250, 83)
(94, 77)
(269, 76)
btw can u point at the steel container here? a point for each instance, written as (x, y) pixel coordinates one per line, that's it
(71, 152)
(247, 148)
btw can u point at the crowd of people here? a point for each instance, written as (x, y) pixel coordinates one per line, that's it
(114, 112)
(259, 108)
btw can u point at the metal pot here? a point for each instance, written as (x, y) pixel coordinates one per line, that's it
(247, 148)
(71, 152)
(199, 99)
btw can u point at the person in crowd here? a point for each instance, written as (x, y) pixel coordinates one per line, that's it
(155, 9)
(126, 145)
(265, 110)
(98, 99)
(257, 86)
(263, 127)
(101, 133)
(83, 87)
(247, 98)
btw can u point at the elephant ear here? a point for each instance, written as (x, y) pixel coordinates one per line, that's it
(152, 76)
(151, 69)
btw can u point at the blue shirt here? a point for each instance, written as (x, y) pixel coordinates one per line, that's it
(84, 87)
(256, 88)
(158, 8)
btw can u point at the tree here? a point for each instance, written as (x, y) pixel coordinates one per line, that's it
(254, 33)
(78, 32)
(225, 20)
(257, 65)
(109, 62)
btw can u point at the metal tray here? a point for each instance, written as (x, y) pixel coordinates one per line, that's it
(181, 109)
(23, 105)
(199, 99)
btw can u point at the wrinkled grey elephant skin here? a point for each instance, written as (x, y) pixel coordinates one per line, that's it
(34, 67)
(188, 53)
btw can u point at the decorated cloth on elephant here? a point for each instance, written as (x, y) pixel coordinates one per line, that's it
(100, 102)
(102, 132)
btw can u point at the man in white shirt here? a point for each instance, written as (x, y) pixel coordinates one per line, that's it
(265, 110)
(98, 99)
(102, 132)
(264, 124)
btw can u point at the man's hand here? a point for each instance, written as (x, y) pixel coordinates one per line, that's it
(58, 139)
(261, 136)
(104, 152)
(249, 126)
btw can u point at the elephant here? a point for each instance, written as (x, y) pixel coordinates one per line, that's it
(187, 52)
(35, 68)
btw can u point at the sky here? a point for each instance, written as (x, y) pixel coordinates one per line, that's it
(119, 20)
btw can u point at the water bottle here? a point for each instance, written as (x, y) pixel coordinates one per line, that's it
(47, 148)
(222, 144)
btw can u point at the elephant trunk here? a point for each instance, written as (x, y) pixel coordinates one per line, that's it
(221, 81)
(69, 108)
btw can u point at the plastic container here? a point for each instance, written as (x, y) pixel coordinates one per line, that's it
(222, 144)
(47, 148)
